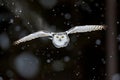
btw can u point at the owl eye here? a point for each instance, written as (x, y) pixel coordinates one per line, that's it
(62, 36)
(57, 37)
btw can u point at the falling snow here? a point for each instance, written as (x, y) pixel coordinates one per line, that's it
(98, 41)
(116, 76)
(48, 3)
(88, 37)
(97, 5)
(11, 21)
(67, 16)
(118, 22)
(83, 5)
(9, 73)
(13, 3)
(58, 65)
(1, 78)
(4, 41)
(27, 65)
(118, 37)
(17, 28)
(2, 4)
(66, 58)
(103, 61)
(48, 60)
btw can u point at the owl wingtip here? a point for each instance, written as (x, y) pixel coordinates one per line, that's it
(104, 27)
(16, 43)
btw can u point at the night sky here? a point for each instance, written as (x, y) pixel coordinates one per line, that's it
(83, 59)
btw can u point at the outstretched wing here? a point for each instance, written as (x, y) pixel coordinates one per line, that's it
(33, 36)
(86, 28)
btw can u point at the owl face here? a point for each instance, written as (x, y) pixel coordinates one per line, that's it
(60, 40)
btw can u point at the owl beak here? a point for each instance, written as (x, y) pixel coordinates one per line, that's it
(60, 39)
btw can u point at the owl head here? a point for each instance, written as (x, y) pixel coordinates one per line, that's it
(60, 39)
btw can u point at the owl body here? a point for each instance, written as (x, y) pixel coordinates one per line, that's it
(60, 39)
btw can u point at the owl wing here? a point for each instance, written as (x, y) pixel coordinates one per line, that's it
(33, 36)
(86, 28)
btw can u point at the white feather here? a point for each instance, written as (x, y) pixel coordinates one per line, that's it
(33, 36)
(86, 28)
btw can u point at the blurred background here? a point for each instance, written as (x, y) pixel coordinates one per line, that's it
(83, 59)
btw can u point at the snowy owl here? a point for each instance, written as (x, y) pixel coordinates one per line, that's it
(61, 39)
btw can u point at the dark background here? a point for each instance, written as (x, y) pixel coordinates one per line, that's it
(87, 56)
